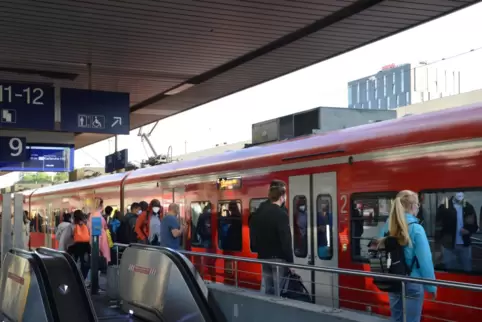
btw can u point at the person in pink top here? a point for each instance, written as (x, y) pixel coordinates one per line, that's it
(103, 242)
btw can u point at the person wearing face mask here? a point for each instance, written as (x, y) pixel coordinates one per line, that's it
(148, 224)
(456, 221)
(270, 228)
(301, 229)
(126, 233)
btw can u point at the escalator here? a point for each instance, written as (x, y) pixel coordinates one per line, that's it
(37, 287)
(158, 284)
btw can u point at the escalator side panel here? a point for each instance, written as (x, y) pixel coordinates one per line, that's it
(24, 295)
(68, 293)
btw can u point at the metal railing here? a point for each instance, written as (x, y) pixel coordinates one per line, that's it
(335, 271)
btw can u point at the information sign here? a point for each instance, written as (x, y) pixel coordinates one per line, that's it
(27, 106)
(116, 161)
(94, 111)
(44, 158)
(13, 149)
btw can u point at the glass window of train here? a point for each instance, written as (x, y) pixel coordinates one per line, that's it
(253, 207)
(201, 235)
(452, 221)
(300, 226)
(324, 227)
(369, 212)
(230, 225)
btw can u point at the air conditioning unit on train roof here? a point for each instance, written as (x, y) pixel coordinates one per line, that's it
(315, 121)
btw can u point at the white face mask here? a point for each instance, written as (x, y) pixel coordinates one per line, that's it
(302, 208)
(139, 212)
(156, 209)
(459, 196)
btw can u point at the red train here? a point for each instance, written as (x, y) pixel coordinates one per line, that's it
(346, 180)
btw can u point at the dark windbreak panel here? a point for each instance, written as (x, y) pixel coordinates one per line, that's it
(25, 293)
(209, 314)
(70, 294)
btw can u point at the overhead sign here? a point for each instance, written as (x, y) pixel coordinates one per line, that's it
(116, 161)
(13, 149)
(94, 111)
(27, 106)
(44, 159)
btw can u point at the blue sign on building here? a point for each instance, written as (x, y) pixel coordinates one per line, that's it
(116, 161)
(94, 111)
(13, 149)
(43, 158)
(27, 106)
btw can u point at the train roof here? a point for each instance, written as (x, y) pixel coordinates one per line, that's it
(111, 179)
(451, 124)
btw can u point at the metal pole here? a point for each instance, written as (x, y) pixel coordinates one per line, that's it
(236, 274)
(6, 224)
(18, 234)
(94, 266)
(277, 282)
(404, 302)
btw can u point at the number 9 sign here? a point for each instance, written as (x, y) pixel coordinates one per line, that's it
(13, 149)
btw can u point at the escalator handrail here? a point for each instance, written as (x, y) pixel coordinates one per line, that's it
(191, 282)
(85, 297)
(40, 272)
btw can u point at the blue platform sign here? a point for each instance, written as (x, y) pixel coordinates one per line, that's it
(13, 149)
(96, 226)
(27, 106)
(94, 111)
(116, 161)
(42, 158)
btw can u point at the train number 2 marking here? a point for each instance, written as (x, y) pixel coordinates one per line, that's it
(344, 204)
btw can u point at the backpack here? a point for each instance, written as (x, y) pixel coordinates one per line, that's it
(81, 234)
(390, 259)
(126, 233)
(294, 289)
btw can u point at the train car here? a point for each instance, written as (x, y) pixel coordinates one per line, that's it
(346, 180)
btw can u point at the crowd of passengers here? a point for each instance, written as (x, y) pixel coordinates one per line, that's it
(144, 223)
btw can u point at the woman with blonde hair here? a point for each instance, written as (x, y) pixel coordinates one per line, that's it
(404, 226)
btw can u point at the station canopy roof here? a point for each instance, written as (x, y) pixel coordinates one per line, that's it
(173, 55)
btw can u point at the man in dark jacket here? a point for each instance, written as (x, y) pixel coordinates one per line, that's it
(456, 221)
(126, 232)
(270, 228)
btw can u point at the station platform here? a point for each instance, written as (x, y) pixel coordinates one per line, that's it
(153, 284)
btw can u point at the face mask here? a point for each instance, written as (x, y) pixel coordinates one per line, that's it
(156, 209)
(139, 212)
(459, 196)
(283, 202)
(302, 208)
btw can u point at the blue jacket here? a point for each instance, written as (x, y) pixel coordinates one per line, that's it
(421, 248)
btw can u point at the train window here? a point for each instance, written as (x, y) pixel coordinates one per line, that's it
(201, 234)
(452, 221)
(369, 212)
(324, 227)
(253, 207)
(300, 226)
(230, 225)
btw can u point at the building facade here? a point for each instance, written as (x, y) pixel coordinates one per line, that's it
(401, 85)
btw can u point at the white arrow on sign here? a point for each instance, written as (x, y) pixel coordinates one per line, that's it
(117, 121)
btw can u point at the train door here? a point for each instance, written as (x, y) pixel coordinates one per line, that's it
(313, 222)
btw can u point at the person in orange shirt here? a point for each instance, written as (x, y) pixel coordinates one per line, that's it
(148, 224)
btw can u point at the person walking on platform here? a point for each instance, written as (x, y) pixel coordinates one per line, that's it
(148, 224)
(171, 230)
(63, 234)
(127, 230)
(403, 224)
(271, 231)
(81, 249)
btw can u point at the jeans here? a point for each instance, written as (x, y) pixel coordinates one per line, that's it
(413, 303)
(272, 278)
(458, 258)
